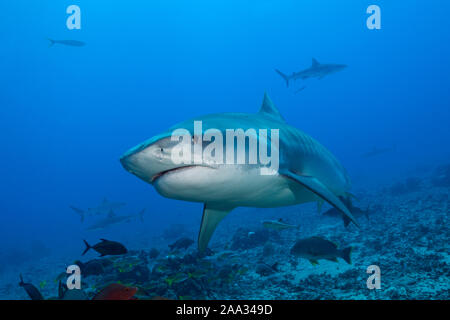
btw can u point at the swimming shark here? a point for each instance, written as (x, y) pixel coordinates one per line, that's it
(112, 219)
(317, 70)
(278, 224)
(105, 207)
(71, 43)
(307, 171)
(378, 151)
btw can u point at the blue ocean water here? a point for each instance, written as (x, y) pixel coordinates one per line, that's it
(68, 113)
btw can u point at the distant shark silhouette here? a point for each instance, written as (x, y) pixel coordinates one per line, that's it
(72, 43)
(317, 70)
(308, 172)
(378, 151)
(105, 207)
(113, 219)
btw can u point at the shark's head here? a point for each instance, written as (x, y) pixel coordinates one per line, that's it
(152, 161)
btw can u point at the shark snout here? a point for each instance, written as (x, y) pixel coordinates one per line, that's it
(146, 161)
(127, 161)
(136, 164)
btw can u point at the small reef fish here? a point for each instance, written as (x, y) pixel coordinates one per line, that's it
(182, 243)
(106, 248)
(116, 291)
(71, 43)
(278, 224)
(315, 248)
(31, 290)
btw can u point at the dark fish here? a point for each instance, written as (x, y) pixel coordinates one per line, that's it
(182, 243)
(106, 248)
(315, 248)
(72, 43)
(116, 291)
(31, 290)
(93, 267)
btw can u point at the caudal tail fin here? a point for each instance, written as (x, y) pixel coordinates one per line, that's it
(346, 254)
(141, 215)
(285, 77)
(87, 248)
(52, 42)
(79, 212)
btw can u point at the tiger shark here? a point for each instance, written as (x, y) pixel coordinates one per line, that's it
(317, 70)
(307, 171)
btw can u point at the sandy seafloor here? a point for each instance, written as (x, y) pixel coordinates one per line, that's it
(406, 235)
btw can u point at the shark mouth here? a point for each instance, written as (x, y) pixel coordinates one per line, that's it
(162, 173)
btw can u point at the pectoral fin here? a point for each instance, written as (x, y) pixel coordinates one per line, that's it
(322, 191)
(211, 218)
(319, 205)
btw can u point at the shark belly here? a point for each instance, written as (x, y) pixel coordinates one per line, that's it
(232, 186)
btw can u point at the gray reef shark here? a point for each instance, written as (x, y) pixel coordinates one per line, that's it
(307, 171)
(71, 43)
(377, 151)
(105, 207)
(317, 70)
(112, 219)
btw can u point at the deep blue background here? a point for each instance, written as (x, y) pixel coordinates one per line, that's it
(67, 113)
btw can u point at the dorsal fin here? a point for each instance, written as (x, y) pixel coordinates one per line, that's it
(111, 214)
(269, 108)
(315, 63)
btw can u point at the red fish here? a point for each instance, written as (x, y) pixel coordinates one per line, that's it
(116, 291)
